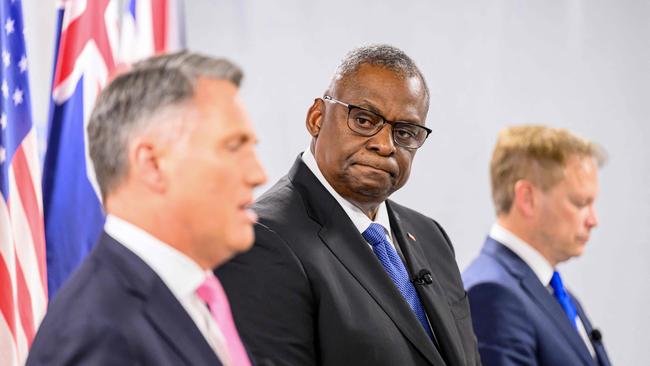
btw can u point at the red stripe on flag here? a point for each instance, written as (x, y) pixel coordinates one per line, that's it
(24, 304)
(159, 13)
(7, 297)
(27, 193)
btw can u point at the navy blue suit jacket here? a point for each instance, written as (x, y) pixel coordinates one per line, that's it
(517, 321)
(115, 310)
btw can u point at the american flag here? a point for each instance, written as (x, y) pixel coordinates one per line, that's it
(23, 286)
(90, 48)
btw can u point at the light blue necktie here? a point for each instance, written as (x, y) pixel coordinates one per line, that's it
(375, 235)
(563, 298)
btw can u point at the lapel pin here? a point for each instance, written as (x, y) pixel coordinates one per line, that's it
(411, 236)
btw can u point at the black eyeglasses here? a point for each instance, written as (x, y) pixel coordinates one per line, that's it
(368, 123)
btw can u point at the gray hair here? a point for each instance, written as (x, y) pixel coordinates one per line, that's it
(127, 105)
(382, 55)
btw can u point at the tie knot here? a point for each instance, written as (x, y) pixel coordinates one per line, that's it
(210, 290)
(556, 283)
(375, 234)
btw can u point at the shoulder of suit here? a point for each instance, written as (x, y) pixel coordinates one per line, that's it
(408, 213)
(282, 196)
(486, 269)
(95, 293)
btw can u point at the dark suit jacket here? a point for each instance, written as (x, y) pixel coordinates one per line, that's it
(116, 311)
(312, 292)
(517, 320)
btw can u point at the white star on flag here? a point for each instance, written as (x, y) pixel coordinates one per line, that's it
(22, 64)
(9, 26)
(5, 89)
(6, 58)
(3, 154)
(3, 120)
(18, 96)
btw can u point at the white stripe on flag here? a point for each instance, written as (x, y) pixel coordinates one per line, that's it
(24, 246)
(30, 146)
(7, 250)
(7, 347)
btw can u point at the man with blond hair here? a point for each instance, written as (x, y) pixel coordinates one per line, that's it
(544, 184)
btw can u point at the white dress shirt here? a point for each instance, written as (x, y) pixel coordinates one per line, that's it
(358, 217)
(540, 266)
(177, 271)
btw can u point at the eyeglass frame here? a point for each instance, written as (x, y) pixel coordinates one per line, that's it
(384, 119)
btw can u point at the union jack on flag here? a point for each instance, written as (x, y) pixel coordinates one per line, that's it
(23, 286)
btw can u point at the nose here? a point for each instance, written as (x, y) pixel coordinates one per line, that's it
(592, 217)
(382, 142)
(256, 174)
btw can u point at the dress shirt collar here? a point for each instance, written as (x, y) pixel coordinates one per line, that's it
(540, 266)
(359, 219)
(179, 273)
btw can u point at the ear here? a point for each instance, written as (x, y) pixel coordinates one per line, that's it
(524, 197)
(315, 117)
(145, 164)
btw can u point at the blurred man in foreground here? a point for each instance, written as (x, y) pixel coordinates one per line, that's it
(340, 274)
(544, 184)
(174, 156)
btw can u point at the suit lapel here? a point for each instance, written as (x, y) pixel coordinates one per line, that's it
(546, 301)
(160, 307)
(541, 297)
(432, 296)
(601, 354)
(348, 246)
(176, 327)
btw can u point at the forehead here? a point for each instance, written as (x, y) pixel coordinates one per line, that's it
(580, 174)
(384, 89)
(217, 102)
(214, 92)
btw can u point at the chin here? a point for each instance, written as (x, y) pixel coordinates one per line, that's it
(373, 193)
(244, 241)
(577, 252)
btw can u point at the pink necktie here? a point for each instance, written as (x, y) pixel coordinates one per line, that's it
(213, 294)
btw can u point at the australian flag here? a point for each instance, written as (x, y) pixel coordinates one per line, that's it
(84, 59)
(91, 47)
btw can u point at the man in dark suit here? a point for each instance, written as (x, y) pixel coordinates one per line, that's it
(174, 159)
(339, 274)
(544, 183)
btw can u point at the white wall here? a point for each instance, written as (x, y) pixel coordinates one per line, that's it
(583, 65)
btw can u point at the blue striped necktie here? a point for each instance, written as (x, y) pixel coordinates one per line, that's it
(563, 298)
(375, 235)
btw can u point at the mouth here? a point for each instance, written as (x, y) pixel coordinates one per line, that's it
(382, 168)
(248, 212)
(583, 239)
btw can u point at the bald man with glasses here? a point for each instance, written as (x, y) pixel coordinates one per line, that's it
(339, 274)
